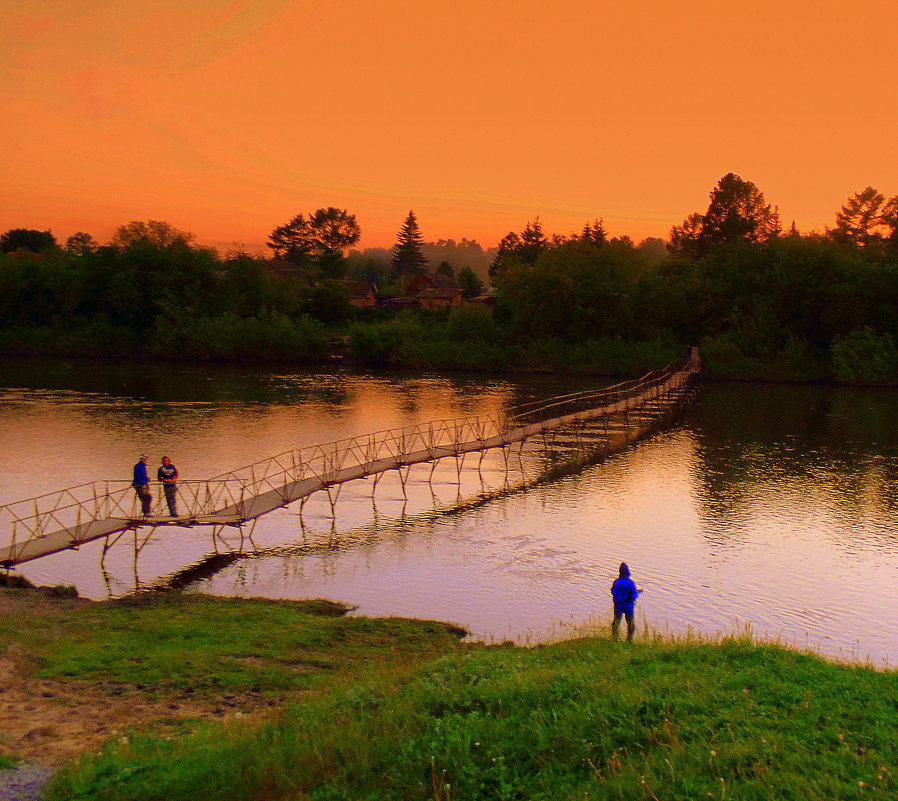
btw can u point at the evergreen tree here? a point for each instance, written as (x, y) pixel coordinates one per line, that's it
(859, 219)
(508, 249)
(533, 241)
(408, 258)
(523, 248)
(595, 233)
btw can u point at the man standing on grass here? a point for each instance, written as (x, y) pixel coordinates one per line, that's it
(141, 484)
(624, 594)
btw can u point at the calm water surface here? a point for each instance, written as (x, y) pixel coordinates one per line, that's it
(770, 505)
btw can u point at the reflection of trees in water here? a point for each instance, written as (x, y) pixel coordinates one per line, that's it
(803, 446)
(157, 382)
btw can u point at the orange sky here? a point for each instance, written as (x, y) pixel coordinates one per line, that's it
(227, 118)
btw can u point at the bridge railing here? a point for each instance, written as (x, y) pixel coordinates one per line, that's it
(324, 462)
(73, 509)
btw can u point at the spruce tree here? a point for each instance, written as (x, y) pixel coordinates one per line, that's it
(408, 256)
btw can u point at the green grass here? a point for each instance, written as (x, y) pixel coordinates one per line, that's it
(172, 640)
(8, 761)
(575, 720)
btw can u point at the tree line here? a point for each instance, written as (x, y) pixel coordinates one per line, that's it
(760, 300)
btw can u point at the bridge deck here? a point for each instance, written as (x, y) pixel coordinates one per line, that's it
(268, 494)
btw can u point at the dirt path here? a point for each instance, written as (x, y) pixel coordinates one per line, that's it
(50, 722)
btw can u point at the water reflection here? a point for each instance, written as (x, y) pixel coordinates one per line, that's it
(772, 505)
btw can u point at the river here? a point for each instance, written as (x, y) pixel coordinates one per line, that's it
(770, 506)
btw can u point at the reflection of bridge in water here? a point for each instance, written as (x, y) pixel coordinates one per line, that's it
(599, 422)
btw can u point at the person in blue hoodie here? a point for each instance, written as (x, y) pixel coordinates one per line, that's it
(141, 484)
(624, 594)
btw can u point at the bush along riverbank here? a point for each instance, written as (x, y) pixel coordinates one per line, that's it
(399, 709)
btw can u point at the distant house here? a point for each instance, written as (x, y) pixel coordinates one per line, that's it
(418, 283)
(362, 294)
(489, 298)
(438, 298)
(434, 291)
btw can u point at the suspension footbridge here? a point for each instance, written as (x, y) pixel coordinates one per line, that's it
(104, 510)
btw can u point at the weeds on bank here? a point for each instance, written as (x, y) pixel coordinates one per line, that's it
(584, 719)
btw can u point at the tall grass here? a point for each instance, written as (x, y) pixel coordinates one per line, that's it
(585, 719)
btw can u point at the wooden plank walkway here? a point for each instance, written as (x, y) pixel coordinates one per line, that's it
(86, 513)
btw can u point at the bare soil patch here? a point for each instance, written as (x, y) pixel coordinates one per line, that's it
(52, 721)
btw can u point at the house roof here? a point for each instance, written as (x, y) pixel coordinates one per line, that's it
(436, 292)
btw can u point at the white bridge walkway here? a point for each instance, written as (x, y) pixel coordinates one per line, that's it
(71, 517)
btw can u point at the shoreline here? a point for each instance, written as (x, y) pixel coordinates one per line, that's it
(381, 684)
(343, 363)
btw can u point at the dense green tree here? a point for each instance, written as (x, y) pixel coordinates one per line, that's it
(80, 243)
(577, 290)
(330, 301)
(445, 268)
(522, 248)
(506, 253)
(738, 211)
(158, 233)
(686, 238)
(408, 257)
(334, 229)
(324, 236)
(471, 285)
(26, 239)
(292, 240)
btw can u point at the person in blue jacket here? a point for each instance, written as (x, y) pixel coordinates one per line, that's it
(624, 594)
(141, 484)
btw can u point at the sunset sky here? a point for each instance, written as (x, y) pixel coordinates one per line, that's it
(228, 118)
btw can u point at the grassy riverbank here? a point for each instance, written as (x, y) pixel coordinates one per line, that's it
(398, 709)
(74, 672)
